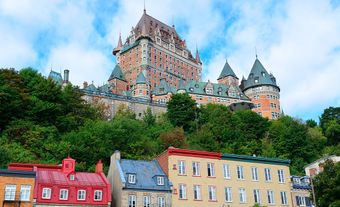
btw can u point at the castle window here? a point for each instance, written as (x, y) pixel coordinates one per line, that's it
(191, 89)
(263, 74)
(256, 80)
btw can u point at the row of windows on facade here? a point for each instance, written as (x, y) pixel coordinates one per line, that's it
(63, 194)
(132, 179)
(265, 88)
(132, 201)
(196, 170)
(271, 97)
(302, 201)
(242, 196)
(10, 192)
(272, 105)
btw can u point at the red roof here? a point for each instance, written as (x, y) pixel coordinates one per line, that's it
(194, 153)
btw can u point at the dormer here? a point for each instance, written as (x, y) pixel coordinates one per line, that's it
(68, 165)
(131, 178)
(160, 180)
(209, 88)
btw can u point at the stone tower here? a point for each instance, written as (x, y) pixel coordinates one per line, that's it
(117, 81)
(141, 88)
(261, 88)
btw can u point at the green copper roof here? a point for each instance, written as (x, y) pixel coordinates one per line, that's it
(91, 87)
(227, 71)
(258, 76)
(164, 88)
(141, 79)
(117, 73)
(128, 47)
(56, 77)
(245, 158)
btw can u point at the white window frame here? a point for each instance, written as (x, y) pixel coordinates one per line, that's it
(281, 175)
(181, 167)
(197, 192)
(81, 195)
(301, 201)
(239, 172)
(254, 174)
(284, 200)
(196, 169)
(242, 195)
(63, 194)
(228, 196)
(146, 201)
(98, 195)
(211, 169)
(132, 178)
(132, 200)
(226, 171)
(182, 191)
(270, 197)
(212, 193)
(160, 180)
(10, 191)
(25, 192)
(160, 201)
(257, 196)
(268, 175)
(46, 193)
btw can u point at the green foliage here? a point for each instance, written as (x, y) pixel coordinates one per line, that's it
(174, 138)
(148, 118)
(311, 123)
(326, 185)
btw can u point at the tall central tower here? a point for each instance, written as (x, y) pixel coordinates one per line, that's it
(156, 50)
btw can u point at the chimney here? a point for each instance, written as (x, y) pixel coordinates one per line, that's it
(68, 165)
(99, 167)
(66, 75)
(116, 155)
(85, 84)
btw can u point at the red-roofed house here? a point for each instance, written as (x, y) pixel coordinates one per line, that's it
(60, 185)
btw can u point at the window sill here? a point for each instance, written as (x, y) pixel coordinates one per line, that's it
(212, 200)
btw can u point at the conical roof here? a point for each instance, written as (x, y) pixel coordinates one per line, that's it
(56, 77)
(119, 45)
(259, 76)
(117, 73)
(198, 59)
(227, 71)
(141, 79)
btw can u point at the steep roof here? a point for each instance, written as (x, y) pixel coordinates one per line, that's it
(91, 87)
(56, 77)
(227, 71)
(141, 79)
(117, 73)
(258, 76)
(164, 88)
(146, 175)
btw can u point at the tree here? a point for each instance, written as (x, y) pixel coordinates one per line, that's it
(327, 185)
(174, 138)
(182, 110)
(311, 123)
(329, 114)
(148, 118)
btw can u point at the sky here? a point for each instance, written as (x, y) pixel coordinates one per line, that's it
(298, 41)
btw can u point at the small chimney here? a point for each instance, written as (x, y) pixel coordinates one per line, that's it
(99, 167)
(85, 84)
(116, 155)
(66, 75)
(68, 165)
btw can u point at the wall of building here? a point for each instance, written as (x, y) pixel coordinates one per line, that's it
(139, 197)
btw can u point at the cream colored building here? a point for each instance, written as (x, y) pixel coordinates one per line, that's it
(212, 179)
(316, 167)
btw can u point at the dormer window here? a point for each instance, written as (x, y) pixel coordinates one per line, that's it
(256, 80)
(263, 74)
(132, 178)
(160, 180)
(72, 177)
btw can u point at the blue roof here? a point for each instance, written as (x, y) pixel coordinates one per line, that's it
(227, 71)
(141, 79)
(56, 77)
(117, 73)
(146, 175)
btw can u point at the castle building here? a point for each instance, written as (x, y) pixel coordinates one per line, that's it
(154, 63)
(214, 179)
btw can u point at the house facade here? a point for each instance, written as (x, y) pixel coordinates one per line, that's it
(316, 167)
(213, 179)
(61, 185)
(138, 183)
(301, 191)
(16, 188)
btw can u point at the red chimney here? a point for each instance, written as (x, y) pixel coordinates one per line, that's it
(68, 165)
(99, 167)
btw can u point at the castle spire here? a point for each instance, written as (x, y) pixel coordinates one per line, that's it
(198, 59)
(144, 8)
(120, 44)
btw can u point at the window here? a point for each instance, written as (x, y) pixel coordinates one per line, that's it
(132, 201)
(267, 174)
(196, 171)
(63, 194)
(197, 192)
(81, 195)
(211, 170)
(284, 200)
(132, 178)
(242, 195)
(182, 191)
(270, 196)
(281, 176)
(46, 193)
(181, 167)
(10, 192)
(228, 196)
(72, 177)
(256, 193)
(98, 194)
(240, 172)
(254, 174)
(300, 201)
(160, 180)
(146, 201)
(25, 192)
(226, 171)
(212, 193)
(161, 202)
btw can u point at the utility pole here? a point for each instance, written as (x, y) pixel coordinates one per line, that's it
(313, 192)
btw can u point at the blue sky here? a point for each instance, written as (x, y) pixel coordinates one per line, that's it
(298, 41)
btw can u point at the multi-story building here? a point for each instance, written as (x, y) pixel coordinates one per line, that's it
(301, 191)
(60, 185)
(316, 167)
(138, 183)
(213, 179)
(16, 188)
